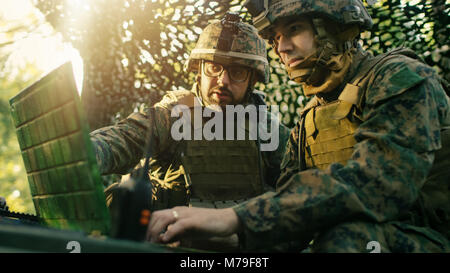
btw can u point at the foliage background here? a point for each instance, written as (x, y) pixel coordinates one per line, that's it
(134, 50)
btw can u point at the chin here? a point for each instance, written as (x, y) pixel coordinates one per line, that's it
(222, 103)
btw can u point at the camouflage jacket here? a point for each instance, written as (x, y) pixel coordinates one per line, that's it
(404, 111)
(119, 148)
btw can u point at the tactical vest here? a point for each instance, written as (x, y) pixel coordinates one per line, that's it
(327, 132)
(222, 170)
(221, 173)
(329, 140)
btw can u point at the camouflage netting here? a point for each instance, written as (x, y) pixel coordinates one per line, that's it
(134, 50)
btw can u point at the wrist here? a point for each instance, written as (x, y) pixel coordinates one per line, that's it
(234, 221)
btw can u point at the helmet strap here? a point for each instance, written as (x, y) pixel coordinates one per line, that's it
(332, 78)
(326, 45)
(251, 83)
(198, 79)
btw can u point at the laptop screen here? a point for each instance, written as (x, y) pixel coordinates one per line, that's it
(53, 135)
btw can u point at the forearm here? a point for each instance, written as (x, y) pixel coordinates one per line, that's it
(313, 200)
(273, 159)
(120, 147)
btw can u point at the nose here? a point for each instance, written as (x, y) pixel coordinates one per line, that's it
(224, 77)
(284, 44)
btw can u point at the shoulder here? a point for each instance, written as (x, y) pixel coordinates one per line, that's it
(395, 73)
(173, 98)
(259, 97)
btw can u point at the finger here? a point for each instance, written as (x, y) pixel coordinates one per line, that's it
(162, 220)
(161, 223)
(152, 230)
(158, 224)
(175, 231)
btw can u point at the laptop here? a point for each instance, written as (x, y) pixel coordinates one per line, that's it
(59, 159)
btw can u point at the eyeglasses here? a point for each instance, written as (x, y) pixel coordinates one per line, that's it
(236, 73)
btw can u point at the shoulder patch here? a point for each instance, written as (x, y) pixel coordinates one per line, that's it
(391, 80)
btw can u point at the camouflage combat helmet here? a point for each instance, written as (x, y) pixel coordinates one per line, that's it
(230, 41)
(345, 12)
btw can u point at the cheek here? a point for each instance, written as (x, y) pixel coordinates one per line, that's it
(311, 45)
(205, 85)
(239, 91)
(305, 43)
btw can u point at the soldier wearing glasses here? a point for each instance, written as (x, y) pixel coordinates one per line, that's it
(229, 59)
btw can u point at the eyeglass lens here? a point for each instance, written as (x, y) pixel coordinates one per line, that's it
(235, 72)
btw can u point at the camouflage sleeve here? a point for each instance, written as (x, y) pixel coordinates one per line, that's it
(290, 162)
(272, 159)
(119, 148)
(405, 107)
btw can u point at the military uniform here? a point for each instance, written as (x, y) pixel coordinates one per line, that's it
(120, 147)
(359, 164)
(198, 171)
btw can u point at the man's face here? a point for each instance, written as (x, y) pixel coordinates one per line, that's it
(223, 85)
(294, 40)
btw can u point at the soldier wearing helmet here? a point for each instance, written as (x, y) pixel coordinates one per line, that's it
(233, 44)
(229, 57)
(366, 167)
(335, 26)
